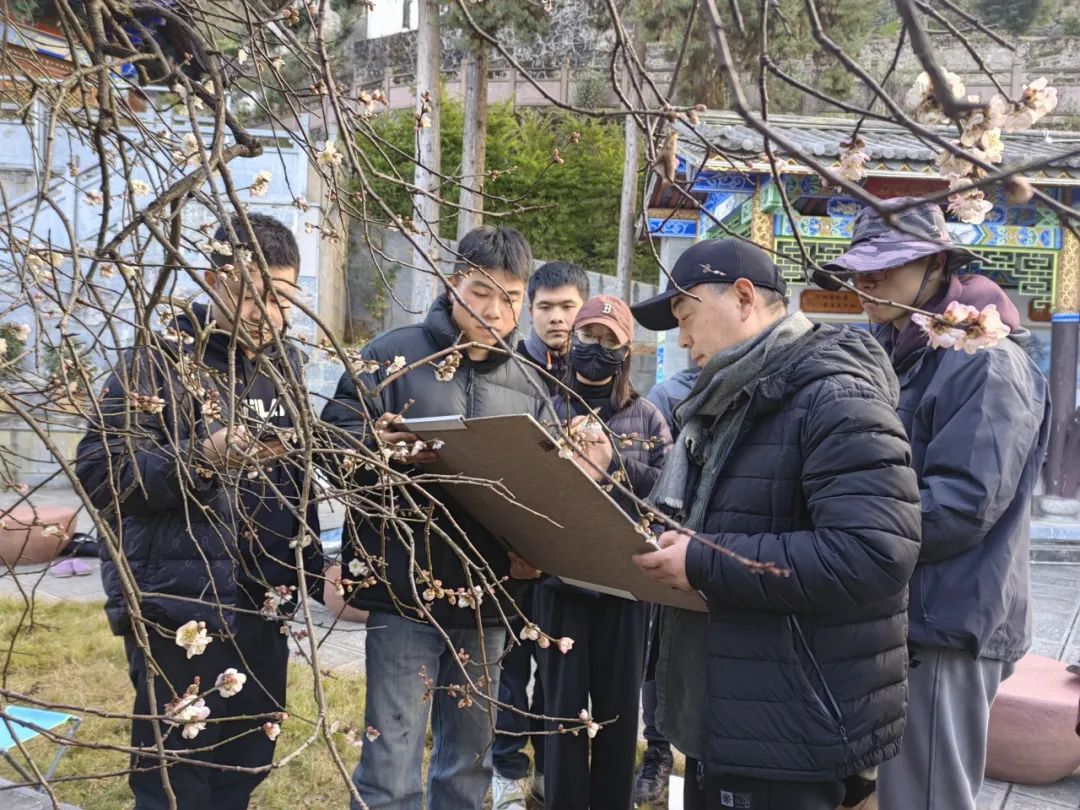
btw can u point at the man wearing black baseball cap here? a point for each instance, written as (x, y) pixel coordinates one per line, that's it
(792, 690)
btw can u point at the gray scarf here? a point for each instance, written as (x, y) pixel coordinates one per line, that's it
(709, 418)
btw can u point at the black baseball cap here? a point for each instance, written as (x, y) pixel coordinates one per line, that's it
(714, 261)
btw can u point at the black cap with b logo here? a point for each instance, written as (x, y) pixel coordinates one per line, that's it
(715, 261)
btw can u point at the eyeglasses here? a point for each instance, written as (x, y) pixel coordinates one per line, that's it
(608, 341)
(876, 277)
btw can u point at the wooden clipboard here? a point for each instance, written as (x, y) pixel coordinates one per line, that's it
(542, 506)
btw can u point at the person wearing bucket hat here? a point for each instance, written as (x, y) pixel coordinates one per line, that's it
(978, 425)
(605, 666)
(791, 691)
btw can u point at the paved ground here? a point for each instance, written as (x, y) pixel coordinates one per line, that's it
(1056, 624)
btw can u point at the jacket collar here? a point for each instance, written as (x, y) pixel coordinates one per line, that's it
(439, 324)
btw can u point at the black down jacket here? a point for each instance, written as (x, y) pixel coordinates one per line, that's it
(636, 465)
(807, 673)
(197, 544)
(979, 426)
(498, 386)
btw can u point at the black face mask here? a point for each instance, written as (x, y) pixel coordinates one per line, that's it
(593, 362)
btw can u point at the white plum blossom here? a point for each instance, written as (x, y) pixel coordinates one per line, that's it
(853, 157)
(261, 184)
(189, 152)
(591, 726)
(970, 206)
(992, 145)
(921, 101)
(276, 597)
(147, 403)
(272, 730)
(94, 197)
(949, 163)
(193, 638)
(21, 332)
(230, 682)
(445, 369)
(241, 56)
(397, 365)
(359, 568)
(1036, 100)
(565, 644)
(992, 116)
(139, 188)
(963, 327)
(187, 711)
(329, 155)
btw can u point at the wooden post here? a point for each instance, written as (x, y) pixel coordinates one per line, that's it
(474, 75)
(1064, 333)
(624, 261)
(428, 158)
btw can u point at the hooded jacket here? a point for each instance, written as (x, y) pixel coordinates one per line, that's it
(197, 543)
(496, 386)
(669, 393)
(807, 672)
(979, 425)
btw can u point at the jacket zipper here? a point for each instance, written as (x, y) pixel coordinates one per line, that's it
(469, 393)
(836, 713)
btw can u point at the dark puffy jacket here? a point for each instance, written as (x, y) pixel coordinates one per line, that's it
(639, 462)
(807, 673)
(979, 426)
(497, 386)
(180, 528)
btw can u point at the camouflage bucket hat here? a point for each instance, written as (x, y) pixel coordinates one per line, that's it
(876, 245)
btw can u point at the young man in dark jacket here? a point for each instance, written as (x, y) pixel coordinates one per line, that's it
(790, 454)
(488, 291)
(556, 292)
(978, 424)
(189, 466)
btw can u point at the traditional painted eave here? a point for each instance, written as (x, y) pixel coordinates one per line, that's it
(894, 151)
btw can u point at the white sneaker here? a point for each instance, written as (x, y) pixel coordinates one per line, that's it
(507, 794)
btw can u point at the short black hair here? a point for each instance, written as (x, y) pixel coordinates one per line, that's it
(770, 298)
(273, 236)
(491, 248)
(553, 275)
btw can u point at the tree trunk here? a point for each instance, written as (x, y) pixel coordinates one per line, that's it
(624, 262)
(474, 72)
(428, 158)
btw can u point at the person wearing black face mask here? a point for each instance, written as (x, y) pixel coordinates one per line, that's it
(605, 663)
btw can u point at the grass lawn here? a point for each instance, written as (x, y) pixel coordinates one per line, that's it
(69, 656)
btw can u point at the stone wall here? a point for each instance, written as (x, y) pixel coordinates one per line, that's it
(574, 42)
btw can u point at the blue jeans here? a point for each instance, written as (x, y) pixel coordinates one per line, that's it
(459, 773)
